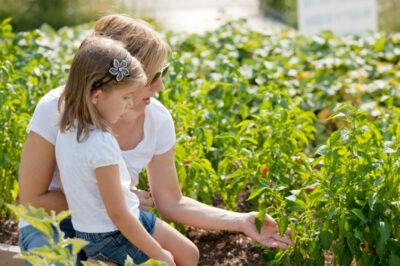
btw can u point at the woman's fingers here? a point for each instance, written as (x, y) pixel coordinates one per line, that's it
(271, 243)
(281, 239)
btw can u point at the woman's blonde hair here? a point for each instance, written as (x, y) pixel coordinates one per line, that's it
(140, 39)
(90, 70)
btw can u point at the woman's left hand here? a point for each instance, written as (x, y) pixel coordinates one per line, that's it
(145, 198)
(269, 234)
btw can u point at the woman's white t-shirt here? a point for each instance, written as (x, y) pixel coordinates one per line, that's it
(159, 134)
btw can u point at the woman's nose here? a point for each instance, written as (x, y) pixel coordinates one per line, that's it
(157, 86)
(130, 103)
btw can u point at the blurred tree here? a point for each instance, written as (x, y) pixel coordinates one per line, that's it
(31, 14)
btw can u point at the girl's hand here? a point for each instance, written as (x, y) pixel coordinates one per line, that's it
(145, 198)
(269, 234)
(166, 257)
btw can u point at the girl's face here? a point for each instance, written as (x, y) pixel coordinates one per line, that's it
(112, 104)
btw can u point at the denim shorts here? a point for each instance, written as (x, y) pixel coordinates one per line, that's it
(113, 246)
(30, 238)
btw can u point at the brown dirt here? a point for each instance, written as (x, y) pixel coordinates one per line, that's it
(222, 248)
(216, 248)
(8, 231)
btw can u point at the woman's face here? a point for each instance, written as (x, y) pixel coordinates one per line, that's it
(141, 98)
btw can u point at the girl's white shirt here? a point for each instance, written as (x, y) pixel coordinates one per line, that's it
(77, 162)
(159, 135)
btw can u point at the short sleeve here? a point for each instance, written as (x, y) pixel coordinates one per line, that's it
(45, 118)
(165, 138)
(103, 150)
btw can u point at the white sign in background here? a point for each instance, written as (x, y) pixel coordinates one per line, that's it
(339, 16)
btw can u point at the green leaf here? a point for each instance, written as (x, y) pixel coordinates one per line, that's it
(291, 198)
(208, 139)
(45, 252)
(152, 262)
(326, 238)
(379, 45)
(62, 215)
(283, 223)
(372, 200)
(260, 218)
(337, 115)
(38, 218)
(129, 261)
(321, 150)
(359, 235)
(384, 230)
(334, 138)
(251, 140)
(77, 245)
(381, 247)
(360, 215)
(256, 193)
(394, 259)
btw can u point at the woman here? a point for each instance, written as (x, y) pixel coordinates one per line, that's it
(146, 137)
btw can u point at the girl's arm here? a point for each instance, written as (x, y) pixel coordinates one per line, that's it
(114, 201)
(35, 174)
(172, 205)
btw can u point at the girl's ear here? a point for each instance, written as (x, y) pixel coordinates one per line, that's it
(94, 96)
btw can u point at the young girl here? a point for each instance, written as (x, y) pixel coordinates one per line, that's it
(103, 80)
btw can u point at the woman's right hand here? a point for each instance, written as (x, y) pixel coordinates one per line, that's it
(166, 257)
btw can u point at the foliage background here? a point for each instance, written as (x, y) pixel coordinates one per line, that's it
(304, 128)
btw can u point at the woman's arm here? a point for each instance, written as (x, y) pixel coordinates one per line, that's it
(164, 186)
(114, 201)
(172, 205)
(35, 175)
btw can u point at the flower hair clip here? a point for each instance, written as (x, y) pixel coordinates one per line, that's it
(119, 69)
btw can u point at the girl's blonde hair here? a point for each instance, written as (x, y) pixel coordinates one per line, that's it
(140, 39)
(90, 71)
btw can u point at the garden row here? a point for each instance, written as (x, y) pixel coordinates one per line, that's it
(308, 127)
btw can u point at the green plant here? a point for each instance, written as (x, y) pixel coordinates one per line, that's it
(359, 209)
(59, 249)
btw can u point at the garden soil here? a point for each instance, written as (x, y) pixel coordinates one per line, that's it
(216, 248)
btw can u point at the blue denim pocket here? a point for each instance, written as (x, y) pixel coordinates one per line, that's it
(30, 238)
(113, 246)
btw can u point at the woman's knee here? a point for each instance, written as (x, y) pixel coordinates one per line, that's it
(193, 254)
(188, 254)
(184, 251)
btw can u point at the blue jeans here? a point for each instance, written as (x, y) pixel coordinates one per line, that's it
(113, 246)
(30, 238)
